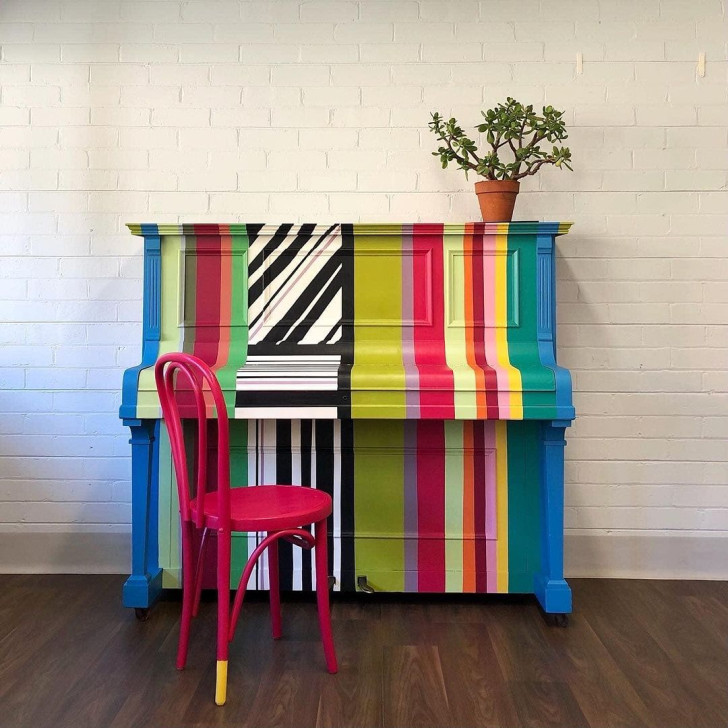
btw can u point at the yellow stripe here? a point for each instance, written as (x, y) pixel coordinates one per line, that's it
(221, 683)
(501, 480)
(501, 316)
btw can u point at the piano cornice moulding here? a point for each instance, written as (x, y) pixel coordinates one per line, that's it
(528, 227)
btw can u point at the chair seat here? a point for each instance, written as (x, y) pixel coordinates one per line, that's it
(268, 507)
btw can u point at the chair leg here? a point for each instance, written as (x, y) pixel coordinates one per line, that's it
(223, 614)
(322, 596)
(188, 593)
(275, 594)
(200, 572)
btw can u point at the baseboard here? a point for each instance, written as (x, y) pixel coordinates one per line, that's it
(65, 553)
(617, 555)
(629, 555)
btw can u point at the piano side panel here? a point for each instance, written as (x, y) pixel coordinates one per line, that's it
(203, 309)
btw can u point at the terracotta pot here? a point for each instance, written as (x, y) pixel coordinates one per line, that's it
(496, 199)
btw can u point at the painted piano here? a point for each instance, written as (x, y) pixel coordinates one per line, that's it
(408, 369)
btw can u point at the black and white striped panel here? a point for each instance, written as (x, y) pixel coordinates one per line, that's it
(313, 454)
(287, 387)
(295, 281)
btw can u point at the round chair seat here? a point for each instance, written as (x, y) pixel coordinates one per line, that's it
(268, 507)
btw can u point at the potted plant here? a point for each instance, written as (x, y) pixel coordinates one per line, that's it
(510, 128)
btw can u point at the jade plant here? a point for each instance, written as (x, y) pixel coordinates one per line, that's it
(515, 134)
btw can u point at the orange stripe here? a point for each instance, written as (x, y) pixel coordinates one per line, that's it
(468, 513)
(480, 404)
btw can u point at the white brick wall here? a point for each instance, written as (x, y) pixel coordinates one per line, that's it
(229, 110)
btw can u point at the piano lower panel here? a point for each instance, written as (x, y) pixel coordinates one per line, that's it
(419, 506)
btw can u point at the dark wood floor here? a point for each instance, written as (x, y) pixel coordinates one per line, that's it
(637, 653)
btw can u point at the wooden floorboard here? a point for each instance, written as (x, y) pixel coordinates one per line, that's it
(636, 653)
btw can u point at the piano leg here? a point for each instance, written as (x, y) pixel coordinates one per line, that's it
(144, 586)
(552, 591)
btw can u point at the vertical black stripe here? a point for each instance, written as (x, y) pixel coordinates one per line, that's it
(347, 506)
(347, 315)
(306, 436)
(283, 477)
(325, 475)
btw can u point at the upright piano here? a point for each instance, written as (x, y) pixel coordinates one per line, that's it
(407, 369)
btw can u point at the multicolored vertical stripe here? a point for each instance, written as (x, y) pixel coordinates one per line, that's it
(419, 321)
(419, 506)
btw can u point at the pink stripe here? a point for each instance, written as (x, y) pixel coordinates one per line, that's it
(491, 514)
(437, 381)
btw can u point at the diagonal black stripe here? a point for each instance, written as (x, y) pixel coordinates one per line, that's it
(276, 239)
(253, 230)
(280, 264)
(305, 298)
(331, 333)
(317, 310)
(313, 315)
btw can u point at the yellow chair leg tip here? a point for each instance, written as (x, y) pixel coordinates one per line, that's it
(221, 683)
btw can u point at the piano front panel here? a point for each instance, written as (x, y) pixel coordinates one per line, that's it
(419, 506)
(414, 321)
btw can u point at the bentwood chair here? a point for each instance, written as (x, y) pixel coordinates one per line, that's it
(188, 388)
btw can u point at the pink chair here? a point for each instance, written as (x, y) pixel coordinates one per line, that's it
(280, 510)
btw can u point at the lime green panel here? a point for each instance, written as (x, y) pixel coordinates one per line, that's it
(378, 331)
(379, 502)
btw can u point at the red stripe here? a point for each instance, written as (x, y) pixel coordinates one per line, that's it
(431, 506)
(491, 381)
(437, 381)
(207, 290)
(478, 455)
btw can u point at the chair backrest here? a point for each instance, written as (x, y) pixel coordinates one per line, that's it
(185, 395)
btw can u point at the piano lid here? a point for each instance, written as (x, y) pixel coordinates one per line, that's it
(358, 321)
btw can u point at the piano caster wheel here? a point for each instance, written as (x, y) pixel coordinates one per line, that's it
(141, 613)
(363, 586)
(332, 583)
(557, 620)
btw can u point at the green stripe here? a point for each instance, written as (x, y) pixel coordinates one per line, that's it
(523, 339)
(238, 477)
(524, 531)
(454, 486)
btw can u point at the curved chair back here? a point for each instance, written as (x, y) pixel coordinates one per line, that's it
(173, 395)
